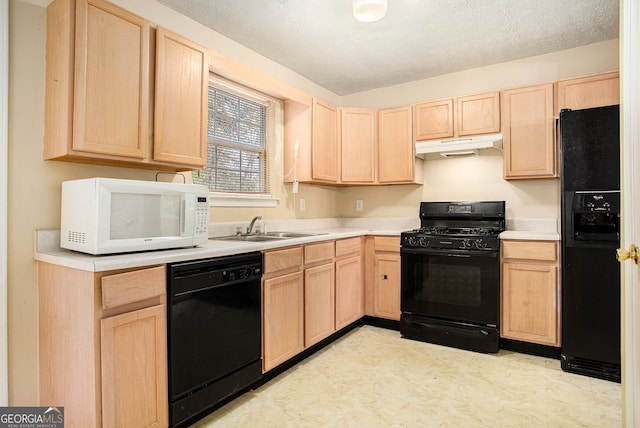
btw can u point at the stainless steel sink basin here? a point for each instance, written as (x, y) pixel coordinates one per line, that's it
(247, 238)
(292, 234)
(269, 236)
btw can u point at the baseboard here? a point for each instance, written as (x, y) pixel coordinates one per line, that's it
(382, 322)
(530, 348)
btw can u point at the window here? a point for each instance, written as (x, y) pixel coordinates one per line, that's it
(237, 142)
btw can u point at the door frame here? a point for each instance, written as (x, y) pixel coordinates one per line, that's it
(629, 178)
(4, 173)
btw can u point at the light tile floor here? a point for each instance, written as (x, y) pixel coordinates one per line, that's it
(373, 378)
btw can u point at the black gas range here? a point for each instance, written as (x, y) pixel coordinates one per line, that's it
(458, 238)
(450, 275)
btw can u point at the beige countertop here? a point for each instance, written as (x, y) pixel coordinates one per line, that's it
(48, 250)
(528, 229)
(531, 235)
(47, 242)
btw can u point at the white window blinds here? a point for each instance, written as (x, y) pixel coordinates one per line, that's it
(236, 144)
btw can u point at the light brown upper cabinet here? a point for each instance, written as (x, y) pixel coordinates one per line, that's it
(324, 166)
(433, 120)
(180, 126)
(457, 117)
(374, 146)
(99, 96)
(396, 149)
(358, 145)
(311, 143)
(586, 92)
(478, 114)
(528, 131)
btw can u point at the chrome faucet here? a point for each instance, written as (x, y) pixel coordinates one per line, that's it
(250, 228)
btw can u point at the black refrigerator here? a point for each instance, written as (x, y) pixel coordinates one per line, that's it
(590, 222)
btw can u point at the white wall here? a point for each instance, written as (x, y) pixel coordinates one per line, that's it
(4, 144)
(590, 59)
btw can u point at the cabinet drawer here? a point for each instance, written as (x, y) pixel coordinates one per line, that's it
(345, 247)
(530, 250)
(386, 243)
(129, 287)
(283, 259)
(318, 252)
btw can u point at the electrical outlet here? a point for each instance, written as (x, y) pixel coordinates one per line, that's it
(359, 205)
(303, 205)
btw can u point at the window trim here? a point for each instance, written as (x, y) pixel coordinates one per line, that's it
(220, 199)
(224, 199)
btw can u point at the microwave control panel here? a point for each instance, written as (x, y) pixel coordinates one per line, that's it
(202, 216)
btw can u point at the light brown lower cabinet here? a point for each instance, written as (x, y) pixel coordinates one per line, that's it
(349, 281)
(319, 292)
(282, 306)
(133, 355)
(283, 319)
(386, 294)
(530, 310)
(383, 277)
(319, 303)
(102, 341)
(309, 292)
(349, 291)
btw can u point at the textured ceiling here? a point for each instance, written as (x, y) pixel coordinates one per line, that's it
(417, 39)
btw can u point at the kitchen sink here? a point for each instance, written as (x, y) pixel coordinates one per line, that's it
(292, 234)
(247, 238)
(269, 236)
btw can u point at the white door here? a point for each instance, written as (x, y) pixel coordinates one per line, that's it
(4, 168)
(630, 181)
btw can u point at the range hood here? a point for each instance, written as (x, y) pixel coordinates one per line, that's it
(459, 147)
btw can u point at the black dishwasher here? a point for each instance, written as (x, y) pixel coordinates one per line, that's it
(214, 332)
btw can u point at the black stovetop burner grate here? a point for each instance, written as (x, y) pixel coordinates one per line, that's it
(457, 231)
(458, 226)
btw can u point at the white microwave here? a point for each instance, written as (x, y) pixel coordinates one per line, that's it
(106, 215)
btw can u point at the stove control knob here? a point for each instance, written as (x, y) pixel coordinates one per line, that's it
(422, 242)
(480, 244)
(467, 243)
(413, 241)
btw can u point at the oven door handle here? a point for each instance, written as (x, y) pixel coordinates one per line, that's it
(463, 327)
(450, 253)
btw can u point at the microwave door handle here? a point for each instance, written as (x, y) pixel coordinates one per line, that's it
(183, 217)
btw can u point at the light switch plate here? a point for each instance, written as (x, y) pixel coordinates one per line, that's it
(359, 205)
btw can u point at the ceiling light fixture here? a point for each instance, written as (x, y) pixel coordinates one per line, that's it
(369, 10)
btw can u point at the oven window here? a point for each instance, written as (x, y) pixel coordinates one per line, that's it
(452, 284)
(452, 287)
